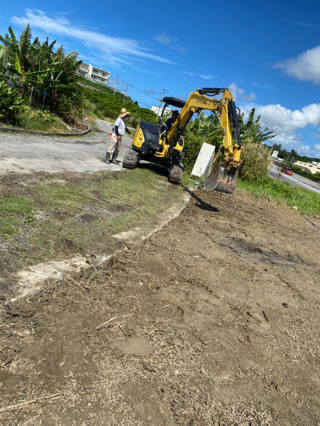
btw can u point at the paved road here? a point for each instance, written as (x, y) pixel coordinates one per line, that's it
(25, 153)
(295, 180)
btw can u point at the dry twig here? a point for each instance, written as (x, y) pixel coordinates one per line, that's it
(105, 323)
(32, 401)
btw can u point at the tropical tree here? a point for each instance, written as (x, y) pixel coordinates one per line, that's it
(251, 132)
(36, 67)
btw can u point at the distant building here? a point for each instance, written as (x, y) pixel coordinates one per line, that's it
(308, 167)
(93, 73)
(158, 110)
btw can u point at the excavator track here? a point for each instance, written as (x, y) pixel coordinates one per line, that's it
(130, 160)
(176, 173)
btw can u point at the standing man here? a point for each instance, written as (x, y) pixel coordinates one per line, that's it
(115, 140)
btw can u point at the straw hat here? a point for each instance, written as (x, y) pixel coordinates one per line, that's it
(123, 113)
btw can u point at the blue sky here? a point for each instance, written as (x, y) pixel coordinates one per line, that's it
(266, 52)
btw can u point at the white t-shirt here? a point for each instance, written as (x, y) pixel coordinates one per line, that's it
(121, 126)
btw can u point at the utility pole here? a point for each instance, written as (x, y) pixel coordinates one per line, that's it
(163, 92)
(116, 85)
(125, 92)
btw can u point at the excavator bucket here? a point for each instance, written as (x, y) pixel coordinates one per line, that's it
(221, 180)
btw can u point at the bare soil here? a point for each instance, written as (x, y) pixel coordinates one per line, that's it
(213, 321)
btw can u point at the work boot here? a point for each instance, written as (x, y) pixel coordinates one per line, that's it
(114, 159)
(108, 157)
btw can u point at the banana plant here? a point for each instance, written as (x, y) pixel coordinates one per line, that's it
(3, 58)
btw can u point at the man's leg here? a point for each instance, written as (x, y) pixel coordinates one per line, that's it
(116, 152)
(112, 146)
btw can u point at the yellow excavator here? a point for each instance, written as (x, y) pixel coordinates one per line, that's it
(163, 146)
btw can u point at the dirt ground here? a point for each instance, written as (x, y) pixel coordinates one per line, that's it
(213, 321)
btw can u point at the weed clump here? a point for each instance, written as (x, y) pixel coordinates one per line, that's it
(256, 161)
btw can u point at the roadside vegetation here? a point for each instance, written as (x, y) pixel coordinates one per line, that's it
(304, 201)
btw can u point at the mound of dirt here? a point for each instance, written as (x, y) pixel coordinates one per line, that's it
(213, 321)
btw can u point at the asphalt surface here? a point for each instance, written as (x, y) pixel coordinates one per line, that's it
(295, 180)
(25, 153)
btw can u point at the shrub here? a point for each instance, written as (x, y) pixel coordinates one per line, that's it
(10, 103)
(42, 120)
(256, 161)
(192, 146)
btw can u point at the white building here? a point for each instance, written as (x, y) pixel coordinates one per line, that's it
(158, 110)
(308, 167)
(93, 73)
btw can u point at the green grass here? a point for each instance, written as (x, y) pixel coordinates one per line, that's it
(65, 197)
(14, 211)
(307, 202)
(85, 213)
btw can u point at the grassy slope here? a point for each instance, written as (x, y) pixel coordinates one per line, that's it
(306, 202)
(102, 103)
(83, 211)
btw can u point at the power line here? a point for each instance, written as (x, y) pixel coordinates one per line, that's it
(144, 92)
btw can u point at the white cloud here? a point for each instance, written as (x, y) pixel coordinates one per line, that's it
(115, 50)
(305, 24)
(288, 123)
(305, 67)
(207, 77)
(188, 73)
(163, 38)
(240, 94)
(170, 42)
